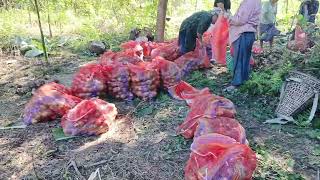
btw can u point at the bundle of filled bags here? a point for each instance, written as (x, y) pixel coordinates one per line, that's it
(49, 102)
(215, 156)
(209, 106)
(220, 149)
(145, 80)
(118, 80)
(89, 81)
(89, 117)
(170, 73)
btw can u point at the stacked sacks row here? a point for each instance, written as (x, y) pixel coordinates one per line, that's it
(220, 149)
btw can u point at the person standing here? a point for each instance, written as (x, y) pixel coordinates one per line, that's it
(243, 26)
(309, 10)
(268, 22)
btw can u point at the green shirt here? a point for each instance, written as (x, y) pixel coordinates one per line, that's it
(198, 22)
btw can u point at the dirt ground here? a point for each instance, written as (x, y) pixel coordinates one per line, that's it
(143, 145)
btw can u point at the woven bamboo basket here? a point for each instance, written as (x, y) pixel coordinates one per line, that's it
(296, 92)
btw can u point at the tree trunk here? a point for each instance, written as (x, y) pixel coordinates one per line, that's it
(287, 5)
(161, 19)
(196, 5)
(41, 32)
(5, 3)
(49, 21)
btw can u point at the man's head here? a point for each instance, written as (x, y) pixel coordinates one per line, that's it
(219, 4)
(274, 1)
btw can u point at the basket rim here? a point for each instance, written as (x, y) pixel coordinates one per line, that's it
(307, 75)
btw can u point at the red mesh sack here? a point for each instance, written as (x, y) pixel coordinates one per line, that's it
(89, 117)
(219, 40)
(118, 80)
(129, 56)
(89, 81)
(129, 45)
(184, 91)
(206, 39)
(145, 80)
(300, 42)
(205, 106)
(49, 102)
(193, 60)
(147, 48)
(106, 57)
(170, 73)
(169, 51)
(216, 156)
(221, 125)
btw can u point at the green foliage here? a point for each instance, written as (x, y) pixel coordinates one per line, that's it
(268, 81)
(314, 134)
(270, 168)
(201, 80)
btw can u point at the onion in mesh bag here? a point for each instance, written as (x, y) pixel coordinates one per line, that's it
(50, 101)
(118, 80)
(89, 117)
(215, 156)
(89, 81)
(145, 79)
(169, 71)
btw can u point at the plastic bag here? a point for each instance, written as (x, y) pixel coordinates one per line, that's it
(219, 40)
(49, 102)
(221, 125)
(169, 51)
(209, 106)
(145, 80)
(170, 73)
(89, 81)
(256, 49)
(89, 117)
(216, 156)
(300, 42)
(118, 80)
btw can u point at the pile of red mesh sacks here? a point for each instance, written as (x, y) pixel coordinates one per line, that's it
(139, 69)
(220, 149)
(52, 100)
